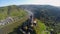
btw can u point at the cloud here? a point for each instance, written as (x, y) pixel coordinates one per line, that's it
(37, 2)
(49, 2)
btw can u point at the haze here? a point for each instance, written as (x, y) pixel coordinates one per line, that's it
(23, 2)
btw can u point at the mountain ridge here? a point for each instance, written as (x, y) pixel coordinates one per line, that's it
(50, 15)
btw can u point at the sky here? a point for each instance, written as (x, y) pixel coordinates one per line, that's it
(35, 2)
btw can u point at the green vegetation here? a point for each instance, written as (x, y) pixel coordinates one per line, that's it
(3, 12)
(12, 11)
(40, 28)
(10, 27)
(18, 14)
(49, 15)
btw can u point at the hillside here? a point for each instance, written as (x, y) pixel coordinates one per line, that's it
(49, 15)
(12, 11)
(48, 18)
(11, 17)
(39, 29)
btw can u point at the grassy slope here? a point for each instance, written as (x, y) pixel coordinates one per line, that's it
(41, 28)
(12, 12)
(10, 27)
(3, 12)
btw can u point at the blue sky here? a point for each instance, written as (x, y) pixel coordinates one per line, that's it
(37, 2)
(12, 2)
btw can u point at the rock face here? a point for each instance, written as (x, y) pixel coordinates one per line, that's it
(11, 13)
(6, 21)
(26, 27)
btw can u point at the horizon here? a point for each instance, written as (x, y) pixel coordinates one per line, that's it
(29, 2)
